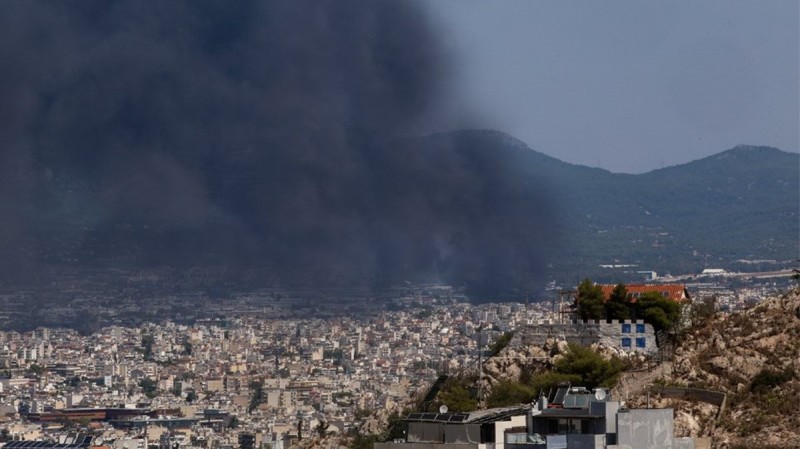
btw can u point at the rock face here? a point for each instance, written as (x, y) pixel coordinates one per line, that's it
(754, 357)
(514, 360)
(531, 353)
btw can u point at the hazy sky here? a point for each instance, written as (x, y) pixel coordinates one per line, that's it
(628, 86)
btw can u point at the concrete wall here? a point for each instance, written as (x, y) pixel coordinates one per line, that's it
(500, 429)
(717, 398)
(607, 409)
(586, 441)
(424, 446)
(462, 433)
(645, 428)
(425, 432)
(695, 394)
(684, 443)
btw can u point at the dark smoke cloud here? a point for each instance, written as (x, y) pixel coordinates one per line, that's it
(271, 134)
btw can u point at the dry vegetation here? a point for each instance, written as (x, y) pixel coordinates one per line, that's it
(754, 357)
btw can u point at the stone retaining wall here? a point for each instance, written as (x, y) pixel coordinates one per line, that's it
(624, 335)
(717, 398)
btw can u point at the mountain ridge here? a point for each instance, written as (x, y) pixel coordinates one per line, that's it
(474, 208)
(675, 219)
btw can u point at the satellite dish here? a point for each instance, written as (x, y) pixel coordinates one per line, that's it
(600, 394)
(443, 409)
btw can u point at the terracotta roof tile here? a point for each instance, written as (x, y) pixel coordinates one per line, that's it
(675, 292)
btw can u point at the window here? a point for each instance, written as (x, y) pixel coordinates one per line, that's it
(641, 342)
(569, 425)
(487, 433)
(640, 328)
(557, 426)
(626, 328)
(626, 342)
(516, 438)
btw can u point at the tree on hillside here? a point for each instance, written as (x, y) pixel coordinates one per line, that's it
(652, 307)
(322, 428)
(191, 396)
(149, 387)
(257, 397)
(362, 441)
(187, 347)
(590, 301)
(147, 346)
(506, 393)
(397, 427)
(457, 396)
(618, 306)
(593, 369)
(660, 312)
(550, 380)
(500, 343)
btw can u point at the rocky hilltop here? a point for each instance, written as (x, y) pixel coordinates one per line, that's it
(754, 358)
(732, 378)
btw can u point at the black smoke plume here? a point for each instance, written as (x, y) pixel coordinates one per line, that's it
(268, 134)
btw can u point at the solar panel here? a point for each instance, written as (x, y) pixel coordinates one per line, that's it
(560, 395)
(83, 443)
(577, 401)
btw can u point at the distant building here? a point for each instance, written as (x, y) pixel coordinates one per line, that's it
(649, 275)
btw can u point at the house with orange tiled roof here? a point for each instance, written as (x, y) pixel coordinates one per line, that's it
(675, 292)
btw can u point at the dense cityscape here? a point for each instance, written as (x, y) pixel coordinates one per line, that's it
(267, 365)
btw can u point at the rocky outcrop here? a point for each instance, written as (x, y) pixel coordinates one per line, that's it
(754, 357)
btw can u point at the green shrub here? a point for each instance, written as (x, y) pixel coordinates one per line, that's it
(593, 370)
(768, 379)
(545, 382)
(500, 343)
(662, 313)
(456, 395)
(507, 392)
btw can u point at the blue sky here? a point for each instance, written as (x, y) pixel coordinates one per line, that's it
(628, 86)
